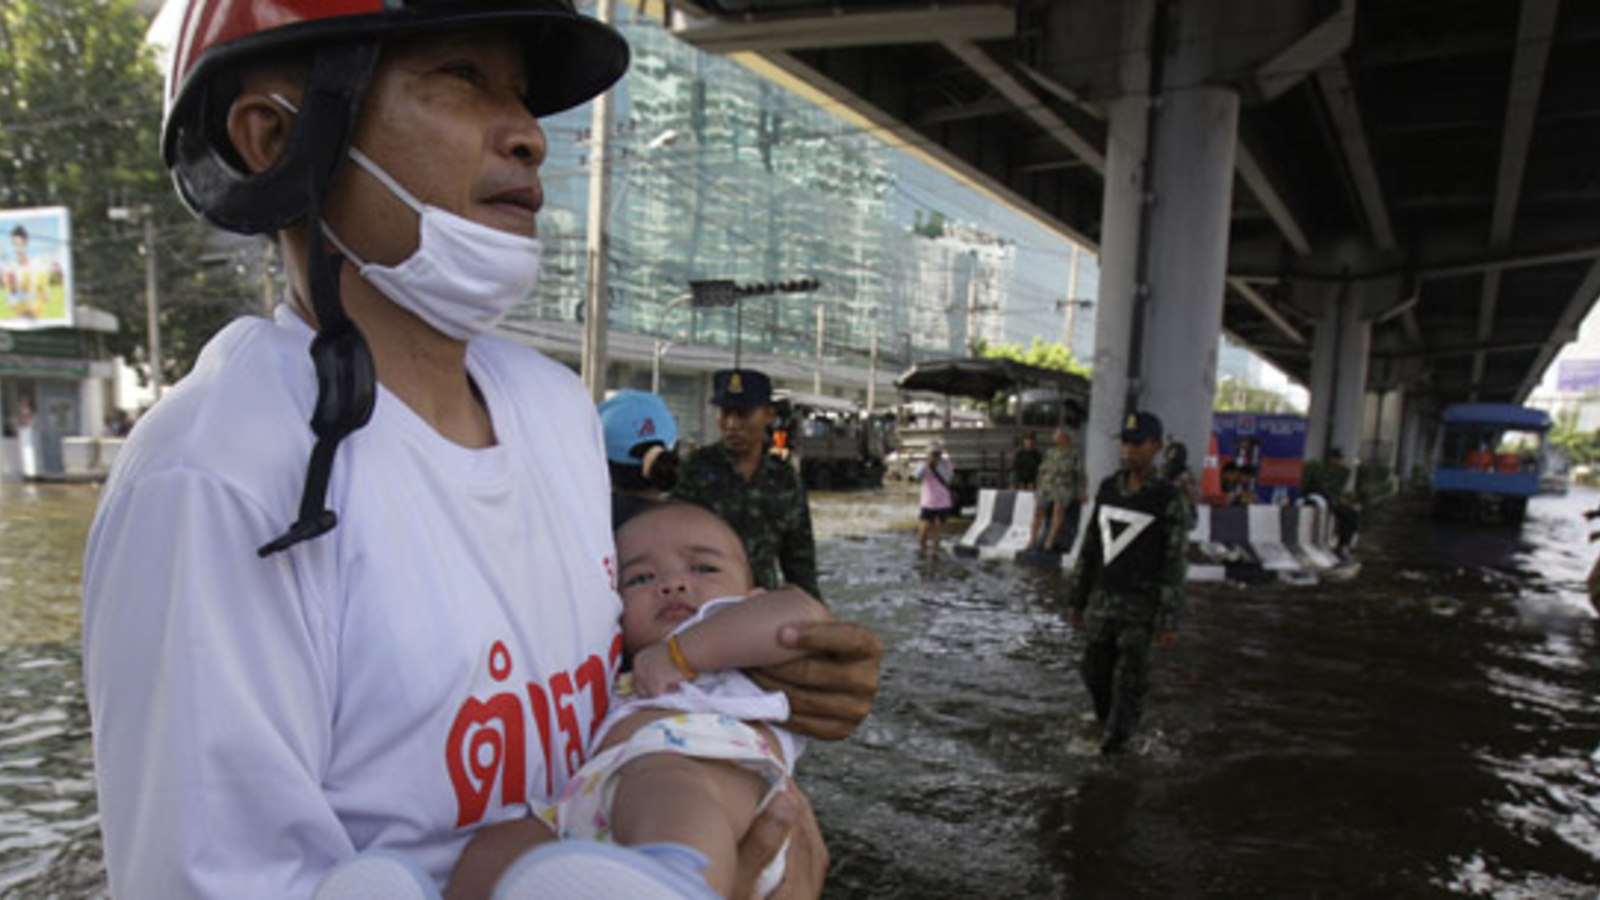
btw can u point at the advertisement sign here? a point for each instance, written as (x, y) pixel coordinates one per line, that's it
(1578, 376)
(1268, 449)
(35, 268)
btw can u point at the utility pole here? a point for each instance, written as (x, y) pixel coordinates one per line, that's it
(1072, 296)
(872, 370)
(151, 302)
(822, 321)
(269, 299)
(597, 245)
(1072, 304)
(972, 306)
(147, 217)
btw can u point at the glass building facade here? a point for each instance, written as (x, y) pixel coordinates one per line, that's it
(717, 173)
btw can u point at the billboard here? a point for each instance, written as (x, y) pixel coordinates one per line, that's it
(1578, 376)
(35, 268)
(1270, 448)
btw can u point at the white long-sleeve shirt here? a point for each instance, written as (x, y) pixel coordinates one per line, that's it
(435, 662)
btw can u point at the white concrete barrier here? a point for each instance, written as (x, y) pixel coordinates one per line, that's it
(79, 455)
(1001, 527)
(1289, 542)
(1316, 537)
(109, 448)
(1266, 537)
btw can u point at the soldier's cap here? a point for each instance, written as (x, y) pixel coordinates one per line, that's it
(740, 389)
(1139, 427)
(632, 421)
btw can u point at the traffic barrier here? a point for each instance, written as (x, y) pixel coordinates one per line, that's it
(1262, 541)
(1001, 527)
(1316, 533)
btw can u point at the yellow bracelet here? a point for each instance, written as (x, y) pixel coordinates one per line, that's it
(676, 653)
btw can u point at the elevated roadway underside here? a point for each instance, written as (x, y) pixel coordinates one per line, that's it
(1454, 140)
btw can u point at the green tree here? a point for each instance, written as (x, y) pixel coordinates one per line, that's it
(80, 117)
(1234, 395)
(1044, 354)
(1582, 447)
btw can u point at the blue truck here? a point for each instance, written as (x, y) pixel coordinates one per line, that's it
(1490, 460)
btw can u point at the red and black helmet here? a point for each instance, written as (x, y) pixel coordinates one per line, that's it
(571, 58)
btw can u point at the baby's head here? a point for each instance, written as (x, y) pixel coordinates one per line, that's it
(675, 557)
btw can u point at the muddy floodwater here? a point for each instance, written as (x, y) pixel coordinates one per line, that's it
(1426, 729)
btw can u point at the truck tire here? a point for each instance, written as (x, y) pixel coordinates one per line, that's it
(822, 478)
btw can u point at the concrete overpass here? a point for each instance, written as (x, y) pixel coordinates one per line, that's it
(1378, 195)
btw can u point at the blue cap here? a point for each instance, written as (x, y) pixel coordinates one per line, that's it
(636, 419)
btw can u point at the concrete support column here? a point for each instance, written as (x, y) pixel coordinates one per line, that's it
(1119, 284)
(1411, 452)
(1350, 380)
(1189, 261)
(1324, 359)
(1164, 244)
(1338, 377)
(1380, 430)
(92, 406)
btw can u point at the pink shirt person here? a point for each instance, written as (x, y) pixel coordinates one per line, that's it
(936, 493)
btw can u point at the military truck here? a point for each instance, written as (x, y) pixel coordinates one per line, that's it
(834, 442)
(989, 405)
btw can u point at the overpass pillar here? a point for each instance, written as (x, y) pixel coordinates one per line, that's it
(1412, 444)
(1164, 245)
(1380, 439)
(1338, 376)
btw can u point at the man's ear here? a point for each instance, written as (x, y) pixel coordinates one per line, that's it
(259, 128)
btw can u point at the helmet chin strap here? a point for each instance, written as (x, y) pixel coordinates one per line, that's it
(346, 389)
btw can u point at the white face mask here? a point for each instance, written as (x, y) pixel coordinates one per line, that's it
(464, 277)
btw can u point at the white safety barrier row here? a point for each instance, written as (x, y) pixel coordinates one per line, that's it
(1291, 542)
(1002, 526)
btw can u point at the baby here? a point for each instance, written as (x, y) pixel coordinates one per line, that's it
(695, 752)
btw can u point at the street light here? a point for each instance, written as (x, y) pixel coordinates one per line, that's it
(723, 292)
(662, 345)
(597, 241)
(720, 292)
(146, 215)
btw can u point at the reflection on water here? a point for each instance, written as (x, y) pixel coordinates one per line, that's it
(1426, 730)
(49, 832)
(42, 530)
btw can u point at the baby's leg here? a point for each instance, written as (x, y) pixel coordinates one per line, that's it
(706, 804)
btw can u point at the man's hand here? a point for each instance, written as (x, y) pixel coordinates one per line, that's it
(789, 816)
(1165, 638)
(490, 853)
(830, 690)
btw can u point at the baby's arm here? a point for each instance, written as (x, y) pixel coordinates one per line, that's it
(742, 636)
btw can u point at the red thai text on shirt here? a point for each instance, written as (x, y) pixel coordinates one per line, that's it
(488, 742)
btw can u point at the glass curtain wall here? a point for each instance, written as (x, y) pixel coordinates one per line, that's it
(717, 173)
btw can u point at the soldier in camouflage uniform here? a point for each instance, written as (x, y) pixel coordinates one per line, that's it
(762, 497)
(1128, 587)
(1060, 495)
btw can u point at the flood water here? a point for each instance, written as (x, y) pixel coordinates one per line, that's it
(1427, 729)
